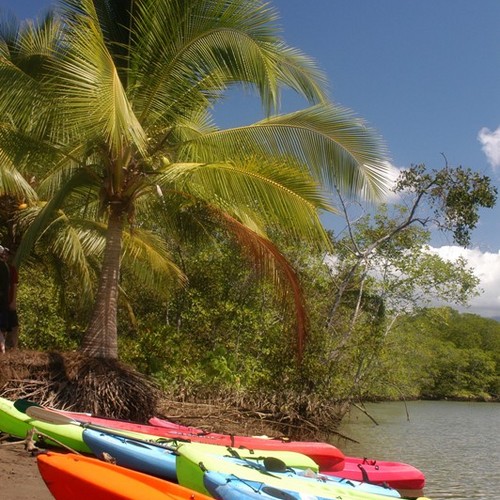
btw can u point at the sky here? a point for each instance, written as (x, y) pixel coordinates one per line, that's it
(425, 74)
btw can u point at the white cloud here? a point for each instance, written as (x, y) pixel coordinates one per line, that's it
(491, 145)
(391, 176)
(486, 267)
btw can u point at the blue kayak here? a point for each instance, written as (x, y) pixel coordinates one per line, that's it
(158, 458)
(312, 477)
(151, 458)
(232, 480)
(230, 487)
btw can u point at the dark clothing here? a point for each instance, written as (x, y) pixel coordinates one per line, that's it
(4, 320)
(4, 296)
(13, 281)
(12, 319)
(4, 284)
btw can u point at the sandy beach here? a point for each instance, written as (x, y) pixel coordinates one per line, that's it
(19, 476)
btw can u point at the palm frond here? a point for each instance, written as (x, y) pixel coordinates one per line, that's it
(12, 181)
(65, 243)
(47, 214)
(267, 257)
(339, 150)
(178, 217)
(185, 55)
(10, 28)
(276, 192)
(89, 88)
(147, 256)
(36, 43)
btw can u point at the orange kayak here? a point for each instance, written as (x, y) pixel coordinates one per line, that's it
(82, 478)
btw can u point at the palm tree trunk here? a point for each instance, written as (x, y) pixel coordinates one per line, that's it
(101, 337)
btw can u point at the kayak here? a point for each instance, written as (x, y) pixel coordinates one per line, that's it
(18, 424)
(159, 459)
(327, 456)
(217, 480)
(230, 487)
(151, 458)
(408, 480)
(79, 477)
(192, 464)
(65, 431)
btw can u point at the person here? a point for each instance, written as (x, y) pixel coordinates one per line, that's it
(12, 337)
(4, 298)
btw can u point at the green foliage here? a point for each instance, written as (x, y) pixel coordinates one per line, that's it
(454, 196)
(42, 325)
(224, 329)
(439, 353)
(123, 142)
(228, 329)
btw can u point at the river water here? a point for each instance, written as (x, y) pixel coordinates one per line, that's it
(455, 444)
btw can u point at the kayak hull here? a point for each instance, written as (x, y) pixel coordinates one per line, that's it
(159, 459)
(218, 482)
(405, 478)
(408, 480)
(152, 459)
(229, 487)
(76, 477)
(327, 456)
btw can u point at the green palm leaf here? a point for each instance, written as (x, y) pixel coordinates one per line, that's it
(89, 89)
(187, 53)
(277, 192)
(337, 149)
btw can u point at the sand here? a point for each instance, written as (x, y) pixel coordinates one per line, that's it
(19, 476)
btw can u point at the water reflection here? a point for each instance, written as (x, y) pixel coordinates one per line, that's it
(456, 444)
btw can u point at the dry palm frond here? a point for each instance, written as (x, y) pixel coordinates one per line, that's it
(72, 381)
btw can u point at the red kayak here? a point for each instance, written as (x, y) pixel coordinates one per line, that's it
(408, 480)
(327, 456)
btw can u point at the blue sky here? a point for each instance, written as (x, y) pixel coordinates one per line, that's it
(424, 73)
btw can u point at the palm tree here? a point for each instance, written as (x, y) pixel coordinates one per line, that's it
(113, 104)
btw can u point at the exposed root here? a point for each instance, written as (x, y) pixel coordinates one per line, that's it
(281, 416)
(71, 381)
(110, 388)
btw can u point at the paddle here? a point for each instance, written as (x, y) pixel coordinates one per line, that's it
(270, 464)
(23, 404)
(50, 416)
(53, 417)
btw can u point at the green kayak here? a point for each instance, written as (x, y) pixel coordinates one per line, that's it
(17, 424)
(192, 463)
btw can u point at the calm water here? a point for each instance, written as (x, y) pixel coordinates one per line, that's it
(455, 444)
